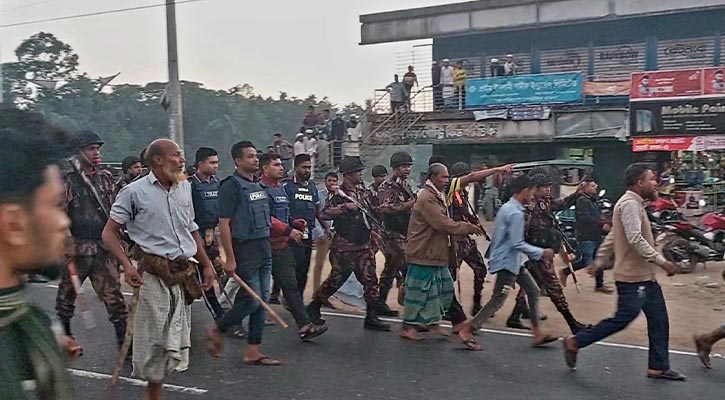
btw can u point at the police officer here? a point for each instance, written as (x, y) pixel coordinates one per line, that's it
(205, 195)
(466, 248)
(304, 204)
(540, 231)
(396, 200)
(351, 247)
(89, 192)
(245, 226)
(283, 260)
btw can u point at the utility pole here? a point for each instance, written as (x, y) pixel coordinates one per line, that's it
(2, 83)
(173, 90)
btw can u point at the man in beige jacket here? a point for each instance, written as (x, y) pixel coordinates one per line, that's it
(429, 286)
(631, 242)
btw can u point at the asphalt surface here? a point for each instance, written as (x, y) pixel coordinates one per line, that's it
(351, 363)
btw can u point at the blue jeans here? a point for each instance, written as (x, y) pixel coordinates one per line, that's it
(254, 266)
(632, 299)
(588, 251)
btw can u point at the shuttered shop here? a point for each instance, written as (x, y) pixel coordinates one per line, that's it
(472, 64)
(565, 60)
(617, 62)
(684, 53)
(522, 60)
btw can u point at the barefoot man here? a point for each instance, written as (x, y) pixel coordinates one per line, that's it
(429, 285)
(158, 213)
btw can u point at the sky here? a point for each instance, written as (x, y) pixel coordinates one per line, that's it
(300, 47)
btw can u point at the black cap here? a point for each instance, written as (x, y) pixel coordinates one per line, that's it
(400, 158)
(351, 164)
(87, 138)
(541, 180)
(379, 171)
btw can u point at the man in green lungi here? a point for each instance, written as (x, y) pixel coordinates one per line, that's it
(429, 252)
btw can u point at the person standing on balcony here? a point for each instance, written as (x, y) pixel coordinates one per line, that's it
(509, 66)
(496, 68)
(312, 119)
(459, 81)
(285, 149)
(437, 90)
(338, 128)
(300, 147)
(447, 82)
(398, 94)
(409, 79)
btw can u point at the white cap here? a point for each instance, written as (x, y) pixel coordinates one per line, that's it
(300, 134)
(446, 60)
(308, 131)
(509, 56)
(494, 60)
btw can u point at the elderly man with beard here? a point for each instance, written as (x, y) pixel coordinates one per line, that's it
(632, 245)
(33, 233)
(429, 252)
(158, 213)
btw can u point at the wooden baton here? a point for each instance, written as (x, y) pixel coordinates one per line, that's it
(277, 319)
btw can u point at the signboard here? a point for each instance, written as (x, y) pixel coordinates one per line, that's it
(713, 82)
(682, 143)
(666, 84)
(618, 88)
(524, 89)
(677, 117)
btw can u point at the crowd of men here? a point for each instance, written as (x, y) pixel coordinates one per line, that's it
(160, 226)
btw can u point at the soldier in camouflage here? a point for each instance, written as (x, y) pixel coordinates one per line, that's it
(395, 205)
(89, 195)
(351, 250)
(541, 231)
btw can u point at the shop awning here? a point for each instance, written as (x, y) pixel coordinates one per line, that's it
(679, 143)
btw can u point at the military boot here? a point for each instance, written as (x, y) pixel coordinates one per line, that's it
(574, 325)
(383, 309)
(314, 314)
(374, 323)
(514, 321)
(476, 304)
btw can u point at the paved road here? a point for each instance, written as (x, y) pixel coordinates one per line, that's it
(350, 363)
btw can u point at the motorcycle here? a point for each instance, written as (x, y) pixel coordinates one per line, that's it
(567, 219)
(687, 244)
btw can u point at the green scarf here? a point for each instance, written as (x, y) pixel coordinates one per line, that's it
(18, 319)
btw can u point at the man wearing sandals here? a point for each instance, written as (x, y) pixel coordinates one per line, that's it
(283, 259)
(429, 285)
(507, 245)
(704, 343)
(631, 242)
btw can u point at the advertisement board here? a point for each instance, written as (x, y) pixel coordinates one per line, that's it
(677, 117)
(524, 89)
(666, 84)
(682, 143)
(713, 81)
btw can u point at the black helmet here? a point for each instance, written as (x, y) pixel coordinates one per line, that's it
(460, 168)
(87, 138)
(400, 158)
(379, 171)
(351, 164)
(541, 180)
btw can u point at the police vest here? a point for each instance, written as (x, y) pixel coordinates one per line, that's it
(206, 202)
(252, 219)
(278, 202)
(302, 202)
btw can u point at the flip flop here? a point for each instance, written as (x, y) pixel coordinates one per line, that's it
(238, 333)
(264, 361)
(546, 340)
(472, 345)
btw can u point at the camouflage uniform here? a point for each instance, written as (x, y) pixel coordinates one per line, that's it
(394, 192)
(351, 248)
(466, 248)
(541, 232)
(91, 258)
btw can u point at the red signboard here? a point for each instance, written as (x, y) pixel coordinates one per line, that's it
(666, 84)
(713, 81)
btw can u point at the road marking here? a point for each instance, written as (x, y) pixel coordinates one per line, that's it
(521, 334)
(137, 382)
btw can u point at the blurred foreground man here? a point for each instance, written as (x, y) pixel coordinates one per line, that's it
(158, 213)
(33, 233)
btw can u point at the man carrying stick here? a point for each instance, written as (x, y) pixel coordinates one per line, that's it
(245, 226)
(158, 214)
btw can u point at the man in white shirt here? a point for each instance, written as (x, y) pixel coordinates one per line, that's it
(300, 147)
(447, 82)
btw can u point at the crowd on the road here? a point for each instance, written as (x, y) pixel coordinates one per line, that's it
(163, 229)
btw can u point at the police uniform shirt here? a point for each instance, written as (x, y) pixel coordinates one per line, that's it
(304, 200)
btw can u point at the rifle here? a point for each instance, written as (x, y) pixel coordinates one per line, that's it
(368, 216)
(568, 250)
(473, 216)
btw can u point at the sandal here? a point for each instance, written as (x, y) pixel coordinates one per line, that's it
(472, 345)
(264, 361)
(546, 340)
(668, 375)
(312, 332)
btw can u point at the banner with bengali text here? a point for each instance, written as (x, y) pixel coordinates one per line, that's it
(524, 89)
